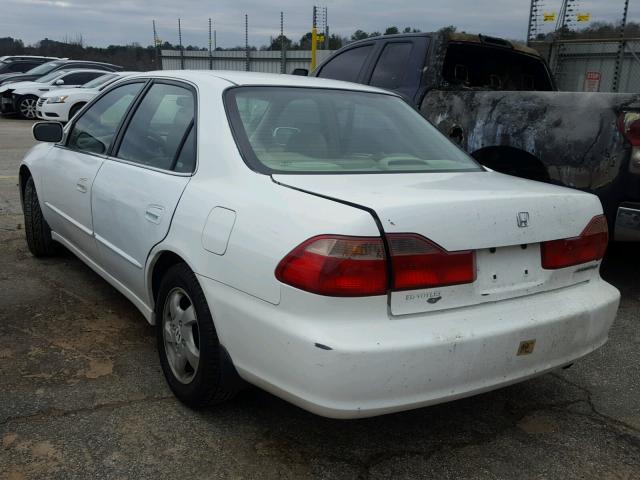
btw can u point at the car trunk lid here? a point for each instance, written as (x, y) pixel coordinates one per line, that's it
(503, 219)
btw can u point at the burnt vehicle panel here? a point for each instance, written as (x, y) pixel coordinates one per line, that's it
(499, 101)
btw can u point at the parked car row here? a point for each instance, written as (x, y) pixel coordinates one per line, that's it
(24, 82)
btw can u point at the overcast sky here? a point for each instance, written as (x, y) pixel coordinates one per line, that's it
(104, 22)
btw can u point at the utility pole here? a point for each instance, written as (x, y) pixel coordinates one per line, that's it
(621, 48)
(246, 41)
(326, 28)
(532, 29)
(210, 54)
(283, 53)
(156, 47)
(180, 42)
(314, 39)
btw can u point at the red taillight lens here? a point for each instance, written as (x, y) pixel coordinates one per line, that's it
(336, 266)
(419, 263)
(589, 246)
(629, 125)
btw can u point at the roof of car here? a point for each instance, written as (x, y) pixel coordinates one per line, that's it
(240, 78)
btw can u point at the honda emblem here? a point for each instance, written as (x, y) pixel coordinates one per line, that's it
(523, 219)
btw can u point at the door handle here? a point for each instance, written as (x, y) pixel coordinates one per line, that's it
(81, 185)
(154, 213)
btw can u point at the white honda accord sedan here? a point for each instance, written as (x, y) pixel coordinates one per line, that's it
(318, 239)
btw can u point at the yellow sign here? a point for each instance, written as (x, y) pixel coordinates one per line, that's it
(320, 37)
(549, 17)
(583, 17)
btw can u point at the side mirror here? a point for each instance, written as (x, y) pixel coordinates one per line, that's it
(302, 72)
(59, 82)
(50, 132)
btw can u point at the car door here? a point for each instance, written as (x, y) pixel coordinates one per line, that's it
(71, 167)
(138, 187)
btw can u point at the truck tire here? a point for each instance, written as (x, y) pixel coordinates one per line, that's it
(36, 227)
(195, 365)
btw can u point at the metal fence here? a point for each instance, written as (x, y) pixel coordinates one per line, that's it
(252, 60)
(595, 65)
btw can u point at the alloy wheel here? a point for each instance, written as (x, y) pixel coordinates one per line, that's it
(28, 107)
(181, 335)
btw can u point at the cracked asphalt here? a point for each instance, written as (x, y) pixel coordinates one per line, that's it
(82, 395)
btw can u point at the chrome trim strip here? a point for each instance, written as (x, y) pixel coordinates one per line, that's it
(77, 224)
(115, 249)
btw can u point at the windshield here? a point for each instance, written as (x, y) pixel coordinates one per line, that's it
(52, 76)
(44, 68)
(96, 82)
(311, 130)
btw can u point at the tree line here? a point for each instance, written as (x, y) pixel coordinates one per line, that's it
(136, 57)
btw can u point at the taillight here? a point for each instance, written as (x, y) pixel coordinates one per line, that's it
(340, 266)
(337, 266)
(589, 246)
(629, 125)
(419, 263)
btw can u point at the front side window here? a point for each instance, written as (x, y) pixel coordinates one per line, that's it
(312, 130)
(346, 66)
(160, 127)
(94, 131)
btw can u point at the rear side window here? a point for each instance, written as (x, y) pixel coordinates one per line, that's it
(391, 67)
(160, 128)
(346, 66)
(95, 129)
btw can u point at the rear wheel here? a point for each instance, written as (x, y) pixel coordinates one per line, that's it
(36, 227)
(194, 363)
(27, 106)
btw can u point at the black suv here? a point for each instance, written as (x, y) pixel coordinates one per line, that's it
(21, 63)
(63, 64)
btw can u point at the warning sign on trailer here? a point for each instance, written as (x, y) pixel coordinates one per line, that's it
(592, 82)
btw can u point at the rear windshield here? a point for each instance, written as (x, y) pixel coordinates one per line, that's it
(312, 130)
(468, 66)
(96, 82)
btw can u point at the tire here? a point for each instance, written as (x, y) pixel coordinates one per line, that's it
(27, 107)
(36, 227)
(75, 109)
(213, 379)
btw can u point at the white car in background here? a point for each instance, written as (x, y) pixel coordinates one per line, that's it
(320, 239)
(63, 104)
(22, 97)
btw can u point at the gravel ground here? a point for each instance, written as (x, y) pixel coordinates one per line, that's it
(82, 395)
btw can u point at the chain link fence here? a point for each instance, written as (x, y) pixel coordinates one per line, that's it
(265, 61)
(595, 65)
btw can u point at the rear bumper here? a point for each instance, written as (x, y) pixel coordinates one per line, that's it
(361, 362)
(627, 227)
